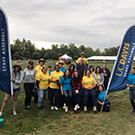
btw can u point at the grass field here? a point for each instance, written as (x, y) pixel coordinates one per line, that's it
(118, 121)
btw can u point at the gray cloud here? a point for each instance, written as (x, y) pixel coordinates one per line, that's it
(97, 23)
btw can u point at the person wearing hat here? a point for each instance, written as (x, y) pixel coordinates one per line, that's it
(42, 86)
(16, 75)
(61, 63)
(28, 78)
(60, 59)
(38, 69)
(84, 59)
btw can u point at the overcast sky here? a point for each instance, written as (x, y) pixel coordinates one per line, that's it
(95, 23)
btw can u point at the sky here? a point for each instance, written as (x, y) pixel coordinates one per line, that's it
(92, 23)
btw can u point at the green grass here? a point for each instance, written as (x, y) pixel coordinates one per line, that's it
(118, 121)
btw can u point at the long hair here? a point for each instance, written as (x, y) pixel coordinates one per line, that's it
(91, 67)
(70, 68)
(69, 76)
(99, 69)
(29, 66)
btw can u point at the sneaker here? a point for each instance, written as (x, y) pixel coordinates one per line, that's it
(56, 108)
(25, 108)
(85, 109)
(94, 108)
(133, 112)
(66, 109)
(1, 113)
(14, 113)
(52, 108)
(28, 108)
(76, 107)
(64, 106)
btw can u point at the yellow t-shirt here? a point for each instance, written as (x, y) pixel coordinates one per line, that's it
(98, 78)
(88, 81)
(43, 80)
(55, 76)
(37, 70)
(85, 61)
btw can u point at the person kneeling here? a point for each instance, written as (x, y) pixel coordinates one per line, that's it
(100, 100)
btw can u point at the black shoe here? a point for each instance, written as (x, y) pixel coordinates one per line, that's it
(28, 108)
(39, 107)
(133, 112)
(25, 108)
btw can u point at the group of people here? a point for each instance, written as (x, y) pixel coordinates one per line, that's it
(63, 85)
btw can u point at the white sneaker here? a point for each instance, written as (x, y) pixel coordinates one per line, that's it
(1, 113)
(56, 108)
(64, 106)
(66, 109)
(14, 113)
(85, 109)
(52, 108)
(76, 107)
(94, 108)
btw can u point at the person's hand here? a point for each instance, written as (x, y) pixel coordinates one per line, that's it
(102, 103)
(12, 80)
(127, 85)
(37, 88)
(61, 92)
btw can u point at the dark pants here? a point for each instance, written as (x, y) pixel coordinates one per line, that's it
(28, 87)
(67, 96)
(86, 94)
(106, 107)
(132, 97)
(77, 97)
(53, 96)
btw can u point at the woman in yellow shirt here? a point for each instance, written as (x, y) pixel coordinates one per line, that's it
(42, 86)
(54, 79)
(89, 84)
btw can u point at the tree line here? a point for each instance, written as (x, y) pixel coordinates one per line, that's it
(25, 49)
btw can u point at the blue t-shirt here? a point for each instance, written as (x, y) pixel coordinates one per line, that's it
(63, 69)
(50, 72)
(131, 80)
(101, 97)
(66, 84)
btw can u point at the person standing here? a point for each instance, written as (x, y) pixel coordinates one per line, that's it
(49, 69)
(72, 69)
(89, 84)
(38, 69)
(65, 87)
(81, 67)
(98, 76)
(76, 83)
(106, 73)
(84, 59)
(42, 86)
(54, 80)
(131, 85)
(29, 81)
(62, 68)
(16, 75)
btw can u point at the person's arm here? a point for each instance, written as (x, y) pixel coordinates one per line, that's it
(37, 84)
(101, 103)
(61, 89)
(133, 85)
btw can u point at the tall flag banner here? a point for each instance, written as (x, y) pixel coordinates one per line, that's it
(121, 68)
(5, 56)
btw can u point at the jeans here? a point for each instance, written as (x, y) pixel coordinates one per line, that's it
(41, 97)
(132, 97)
(28, 93)
(77, 97)
(86, 94)
(67, 95)
(53, 96)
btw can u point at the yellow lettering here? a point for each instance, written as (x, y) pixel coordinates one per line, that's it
(122, 61)
(124, 56)
(127, 44)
